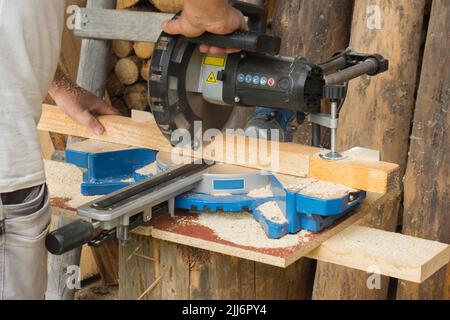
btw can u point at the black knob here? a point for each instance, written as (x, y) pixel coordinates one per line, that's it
(337, 92)
(69, 237)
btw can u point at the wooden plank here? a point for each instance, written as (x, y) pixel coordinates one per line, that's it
(289, 159)
(187, 230)
(107, 24)
(120, 130)
(396, 255)
(47, 147)
(378, 113)
(427, 182)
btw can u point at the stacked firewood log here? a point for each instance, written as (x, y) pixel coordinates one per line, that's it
(130, 61)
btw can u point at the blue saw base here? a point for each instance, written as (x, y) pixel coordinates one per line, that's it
(301, 212)
(107, 172)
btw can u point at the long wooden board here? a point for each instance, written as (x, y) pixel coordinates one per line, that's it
(395, 255)
(107, 24)
(344, 244)
(286, 158)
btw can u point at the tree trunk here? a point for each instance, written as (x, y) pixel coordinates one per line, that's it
(427, 183)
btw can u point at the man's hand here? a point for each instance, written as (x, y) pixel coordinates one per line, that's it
(79, 104)
(199, 16)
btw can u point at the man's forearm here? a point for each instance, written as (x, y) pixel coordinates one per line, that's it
(63, 85)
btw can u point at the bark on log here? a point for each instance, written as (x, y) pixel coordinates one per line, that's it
(427, 183)
(145, 70)
(136, 97)
(128, 69)
(125, 4)
(169, 6)
(122, 48)
(144, 50)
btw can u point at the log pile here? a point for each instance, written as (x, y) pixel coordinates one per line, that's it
(130, 61)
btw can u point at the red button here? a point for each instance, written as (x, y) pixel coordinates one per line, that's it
(271, 82)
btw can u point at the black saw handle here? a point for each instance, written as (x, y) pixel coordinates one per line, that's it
(254, 40)
(69, 237)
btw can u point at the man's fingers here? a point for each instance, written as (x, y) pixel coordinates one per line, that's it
(172, 27)
(87, 119)
(179, 26)
(204, 48)
(229, 51)
(102, 108)
(217, 50)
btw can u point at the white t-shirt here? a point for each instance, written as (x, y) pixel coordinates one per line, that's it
(30, 42)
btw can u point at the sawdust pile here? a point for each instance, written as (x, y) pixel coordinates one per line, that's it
(64, 182)
(316, 188)
(272, 211)
(243, 230)
(296, 184)
(151, 169)
(326, 190)
(265, 192)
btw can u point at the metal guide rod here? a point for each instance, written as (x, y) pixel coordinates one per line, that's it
(369, 66)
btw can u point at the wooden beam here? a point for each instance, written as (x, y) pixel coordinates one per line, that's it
(94, 23)
(47, 147)
(289, 159)
(395, 255)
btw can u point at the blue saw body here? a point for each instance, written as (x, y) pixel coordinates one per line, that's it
(106, 172)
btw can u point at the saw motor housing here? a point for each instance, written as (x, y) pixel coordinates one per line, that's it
(186, 85)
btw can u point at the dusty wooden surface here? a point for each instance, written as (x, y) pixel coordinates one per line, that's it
(427, 183)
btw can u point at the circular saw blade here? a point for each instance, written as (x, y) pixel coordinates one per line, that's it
(173, 107)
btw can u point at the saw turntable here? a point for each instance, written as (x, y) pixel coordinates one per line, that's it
(186, 86)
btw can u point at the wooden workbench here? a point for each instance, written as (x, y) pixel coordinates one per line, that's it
(200, 256)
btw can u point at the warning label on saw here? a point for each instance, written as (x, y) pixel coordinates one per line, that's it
(212, 78)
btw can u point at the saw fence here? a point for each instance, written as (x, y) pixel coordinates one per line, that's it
(402, 113)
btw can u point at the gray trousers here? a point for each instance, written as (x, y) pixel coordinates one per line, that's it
(25, 218)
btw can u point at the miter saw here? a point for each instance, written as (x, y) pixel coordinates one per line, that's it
(186, 85)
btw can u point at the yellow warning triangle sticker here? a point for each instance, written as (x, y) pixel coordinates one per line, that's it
(211, 78)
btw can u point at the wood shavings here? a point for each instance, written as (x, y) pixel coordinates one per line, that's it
(64, 182)
(272, 211)
(243, 230)
(326, 190)
(315, 188)
(295, 183)
(151, 169)
(265, 192)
